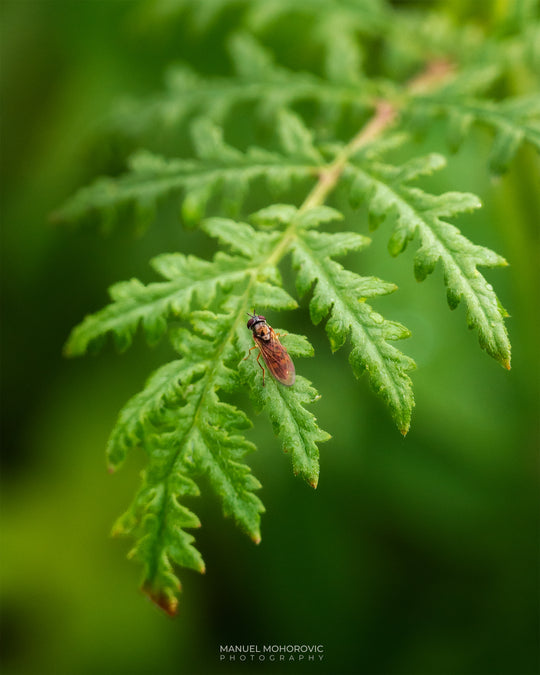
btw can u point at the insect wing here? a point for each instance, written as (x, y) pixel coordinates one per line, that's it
(277, 359)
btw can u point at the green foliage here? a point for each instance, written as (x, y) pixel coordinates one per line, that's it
(413, 211)
(258, 81)
(218, 169)
(340, 296)
(295, 426)
(330, 127)
(514, 121)
(185, 435)
(364, 16)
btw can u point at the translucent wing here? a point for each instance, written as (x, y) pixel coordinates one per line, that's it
(277, 359)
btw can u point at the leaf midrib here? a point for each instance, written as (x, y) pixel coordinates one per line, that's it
(420, 223)
(349, 308)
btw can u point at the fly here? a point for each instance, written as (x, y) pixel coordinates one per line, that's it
(273, 352)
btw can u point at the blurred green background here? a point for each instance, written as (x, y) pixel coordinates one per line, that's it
(416, 555)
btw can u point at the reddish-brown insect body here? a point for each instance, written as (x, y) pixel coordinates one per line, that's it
(273, 352)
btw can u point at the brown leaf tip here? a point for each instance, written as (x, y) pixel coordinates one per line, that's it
(168, 603)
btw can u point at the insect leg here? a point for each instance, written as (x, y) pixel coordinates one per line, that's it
(249, 352)
(261, 366)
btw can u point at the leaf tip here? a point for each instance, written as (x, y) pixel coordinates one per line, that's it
(117, 530)
(168, 603)
(67, 350)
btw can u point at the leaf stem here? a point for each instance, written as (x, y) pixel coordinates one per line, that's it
(384, 116)
(386, 112)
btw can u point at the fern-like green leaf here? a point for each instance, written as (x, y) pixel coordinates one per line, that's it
(257, 80)
(220, 168)
(296, 427)
(182, 419)
(178, 418)
(412, 211)
(187, 431)
(357, 16)
(152, 304)
(340, 296)
(162, 389)
(203, 436)
(514, 121)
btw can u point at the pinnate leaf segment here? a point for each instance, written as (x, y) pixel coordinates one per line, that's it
(183, 418)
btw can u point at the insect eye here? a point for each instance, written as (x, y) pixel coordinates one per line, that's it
(250, 322)
(261, 318)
